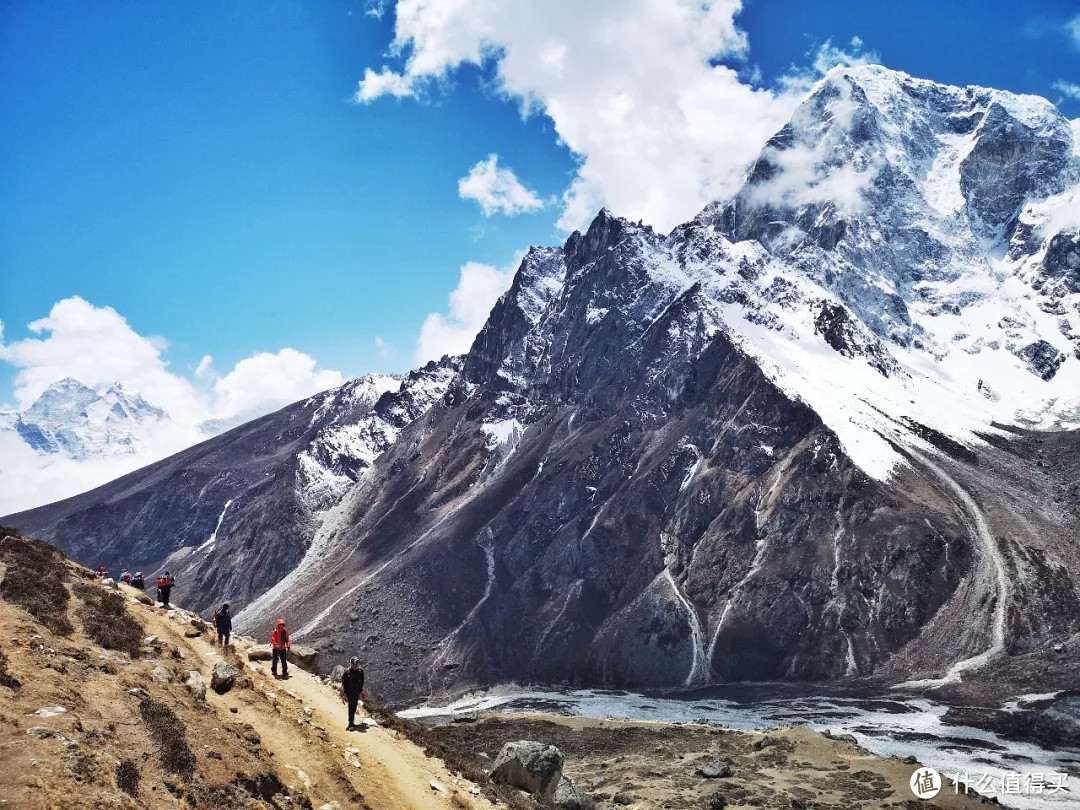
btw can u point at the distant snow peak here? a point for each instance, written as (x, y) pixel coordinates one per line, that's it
(73, 420)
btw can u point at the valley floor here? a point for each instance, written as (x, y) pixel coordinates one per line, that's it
(655, 765)
(86, 727)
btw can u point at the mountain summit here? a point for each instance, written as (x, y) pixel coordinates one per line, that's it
(74, 420)
(826, 429)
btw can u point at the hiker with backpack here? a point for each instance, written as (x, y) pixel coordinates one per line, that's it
(223, 623)
(165, 585)
(352, 689)
(279, 648)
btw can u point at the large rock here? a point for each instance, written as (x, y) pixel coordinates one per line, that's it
(303, 656)
(570, 797)
(530, 766)
(223, 677)
(197, 684)
(1059, 724)
(161, 674)
(716, 769)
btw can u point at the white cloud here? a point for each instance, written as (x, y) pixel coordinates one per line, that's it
(804, 174)
(205, 367)
(1072, 29)
(799, 79)
(497, 190)
(632, 87)
(477, 291)
(98, 347)
(383, 83)
(265, 382)
(29, 478)
(1070, 89)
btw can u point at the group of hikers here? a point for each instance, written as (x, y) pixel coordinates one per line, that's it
(164, 583)
(352, 681)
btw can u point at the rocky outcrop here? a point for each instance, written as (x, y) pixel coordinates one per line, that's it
(530, 766)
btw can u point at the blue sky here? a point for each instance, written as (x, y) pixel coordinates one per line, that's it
(201, 168)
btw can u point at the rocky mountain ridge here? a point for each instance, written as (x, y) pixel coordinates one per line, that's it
(790, 439)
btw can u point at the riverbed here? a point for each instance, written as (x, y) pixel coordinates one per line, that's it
(887, 724)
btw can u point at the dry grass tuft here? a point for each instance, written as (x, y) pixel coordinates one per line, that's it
(106, 620)
(6, 678)
(34, 579)
(169, 735)
(127, 777)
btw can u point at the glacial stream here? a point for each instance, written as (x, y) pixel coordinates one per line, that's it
(886, 724)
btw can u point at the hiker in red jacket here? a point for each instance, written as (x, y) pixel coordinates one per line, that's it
(279, 644)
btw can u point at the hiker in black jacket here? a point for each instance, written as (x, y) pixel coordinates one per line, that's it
(223, 623)
(352, 689)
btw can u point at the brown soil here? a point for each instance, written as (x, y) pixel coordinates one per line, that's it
(264, 743)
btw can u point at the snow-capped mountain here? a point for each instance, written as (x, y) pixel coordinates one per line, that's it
(74, 420)
(826, 429)
(238, 512)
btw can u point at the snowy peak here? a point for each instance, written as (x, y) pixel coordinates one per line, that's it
(902, 251)
(880, 142)
(355, 423)
(74, 420)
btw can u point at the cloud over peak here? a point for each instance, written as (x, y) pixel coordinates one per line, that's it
(497, 190)
(634, 88)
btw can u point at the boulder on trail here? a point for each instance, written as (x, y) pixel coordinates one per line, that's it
(530, 766)
(223, 676)
(336, 674)
(109, 582)
(300, 654)
(197, 684)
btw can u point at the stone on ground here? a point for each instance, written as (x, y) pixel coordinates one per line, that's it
(570, 797)
(223, 676)
(197, 684)
(161, 674)
(715, 770)
(530, 766)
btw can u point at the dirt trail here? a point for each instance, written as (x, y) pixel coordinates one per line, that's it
(393, 773)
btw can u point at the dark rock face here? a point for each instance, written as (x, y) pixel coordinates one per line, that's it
(851, 338)
(1009, 162)
(1063, 260)
(1059, 724)
(1042, 358)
